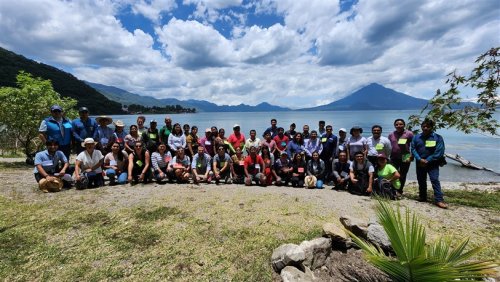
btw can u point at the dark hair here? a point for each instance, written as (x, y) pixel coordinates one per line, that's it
(162, 144)
(120, 153)
(50, 142)
(377, 126)
(401, 120)
(194, 127)
(185, 125)
(133, 125)
(321, 122)
(429, 122)
(142, 117)
(265, 151)
(329, 126)
(314, 131)
(175, 133)
(222, 130)
(274, 120)
(359, 153)
(253, 130)
(281, 128)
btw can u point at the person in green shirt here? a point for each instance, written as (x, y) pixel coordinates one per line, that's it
(388, 172)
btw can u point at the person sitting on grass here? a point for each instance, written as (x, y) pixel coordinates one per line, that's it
(180, 166)
(299, 170)
(315, 172)
(238, 166)
(222, 166)
(283, 169)
(388, 178)
(88, 171)
(52, 170)
(361, 174)
(201, 167)
(159, 161)
(254, 165)
(115, 163)
(340, 171)
(139, 164)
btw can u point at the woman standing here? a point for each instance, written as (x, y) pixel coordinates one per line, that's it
(176, 139)
(115, 163)
(131, 138)
(296, 146)
(192, 141)
(356, 143)
(139, 164)
(401, 156)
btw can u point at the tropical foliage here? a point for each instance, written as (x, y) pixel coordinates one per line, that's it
(24, 107)
(414, 259)
(484, 78)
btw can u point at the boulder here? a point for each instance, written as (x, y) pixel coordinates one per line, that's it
(285, 255)
(356, 226)
(292, 274)
(316, 252)
(334, 232)
(377, 236)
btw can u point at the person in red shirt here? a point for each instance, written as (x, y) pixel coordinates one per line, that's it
(254, 166)
(281, 142)
(237, 139)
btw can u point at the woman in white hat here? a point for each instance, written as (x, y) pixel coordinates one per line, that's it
(88, 172)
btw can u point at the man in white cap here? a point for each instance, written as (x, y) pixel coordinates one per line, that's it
(58, 128)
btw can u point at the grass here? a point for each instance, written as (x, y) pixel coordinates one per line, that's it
(164, 239)
(476, 199)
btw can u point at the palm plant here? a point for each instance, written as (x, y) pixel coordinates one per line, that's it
(416, 261)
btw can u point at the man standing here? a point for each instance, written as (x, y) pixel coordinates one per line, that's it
(83, 127)
(321, 128)
(305, 133)
(166, 130)
(329, 142)
(151, 137)
(140, 125)
(273, 129)
(237, 139)
(378, 144)
(428, 150)
(253, 141)
(57, 128)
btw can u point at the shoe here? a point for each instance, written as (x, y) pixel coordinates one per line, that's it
(442, 205)
(422, 200)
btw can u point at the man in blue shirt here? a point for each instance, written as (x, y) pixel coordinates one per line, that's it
(57, 128)
(428, 150)
(51, 164)
(83, 127)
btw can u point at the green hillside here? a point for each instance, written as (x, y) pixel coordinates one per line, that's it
(64, 83)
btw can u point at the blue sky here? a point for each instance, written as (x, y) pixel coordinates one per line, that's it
(292, 53)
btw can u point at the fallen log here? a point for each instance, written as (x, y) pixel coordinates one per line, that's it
(467, 163)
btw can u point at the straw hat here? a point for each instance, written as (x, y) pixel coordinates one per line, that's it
(108, 119)
(88, 141)
(50, 186)
(119, 123)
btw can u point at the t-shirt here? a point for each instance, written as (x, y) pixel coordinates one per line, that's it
(252, 143)
(201, 163)
(281, 142)
(356, 145)
(88, 161)
(220, 162)
(387, 172)
(237, 141)
(49, 162)
(253, 167)
(185, 162)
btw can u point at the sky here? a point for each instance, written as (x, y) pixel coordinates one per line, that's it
(292, 53)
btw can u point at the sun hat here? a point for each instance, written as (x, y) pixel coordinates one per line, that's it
(108, 119)
(119, 123)
(356, 128)
(343, 130)
(88, 141)
(55, 185)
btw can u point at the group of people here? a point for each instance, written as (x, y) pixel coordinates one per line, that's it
(307, 158)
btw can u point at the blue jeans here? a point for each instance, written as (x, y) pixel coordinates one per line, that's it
(433, 170)
(122, 178)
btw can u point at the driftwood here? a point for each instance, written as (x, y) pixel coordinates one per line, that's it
(467, 163)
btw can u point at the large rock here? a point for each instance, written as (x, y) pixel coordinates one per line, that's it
(292, 274)
(285, 255)
(356, 226)
(334, 232)
(377, 236)
(316, 252)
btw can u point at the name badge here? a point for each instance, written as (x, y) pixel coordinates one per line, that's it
(323, 140)
(257, 166)
(166, 159)
(178, 165)
(341, 147)
(222, 164)
(47, 163)
(139, 163)
(406, 157)
(379, 146)
(344, 174)
(283, 144)
(112, 162)
(430, 143)
(152, 135)
(198, 165)
(208, 143)
(300, 169)
(119, 140)
(242, 163)
(402, 141)
(104, 140)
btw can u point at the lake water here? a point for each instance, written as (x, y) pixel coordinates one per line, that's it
(478, 148)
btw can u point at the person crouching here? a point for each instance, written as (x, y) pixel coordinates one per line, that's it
(88, 171)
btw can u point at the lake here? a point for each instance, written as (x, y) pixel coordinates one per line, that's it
(480, 149)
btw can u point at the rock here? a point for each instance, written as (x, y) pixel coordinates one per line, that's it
(334, 232)
(285, 255)
(377, 236)
(316, 252)
(292, 274)
(356, 226)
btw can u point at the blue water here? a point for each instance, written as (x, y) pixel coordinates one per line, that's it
(480, 149)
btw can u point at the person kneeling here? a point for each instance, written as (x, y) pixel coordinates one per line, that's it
(361, 173)
(179, 167)
(341, 177)
(221, 166)
(388, 178)
(315, 172)
(201, 167)
(88, 171)
(115, 164)
(51, 167)
(159, 161)
(139, 164)
(299, 170)
(253, 168)
(283, 168)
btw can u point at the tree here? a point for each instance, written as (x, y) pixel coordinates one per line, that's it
(417, 261)
(24, 107)
(442, 108)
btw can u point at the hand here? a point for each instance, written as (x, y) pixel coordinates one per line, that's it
(423, 161)
(62, 172)
(77, 177)
(354, 180)
(369, 190)
(162, 175)
(129, 178)
(141, 177)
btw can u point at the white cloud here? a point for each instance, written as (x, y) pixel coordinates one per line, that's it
(208, 9)
(152, 9)
(193, 45)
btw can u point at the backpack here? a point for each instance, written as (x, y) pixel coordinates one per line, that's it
(385, 189)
